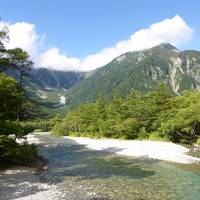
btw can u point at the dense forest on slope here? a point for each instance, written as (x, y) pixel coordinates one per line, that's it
(140, 71)
(156, 115)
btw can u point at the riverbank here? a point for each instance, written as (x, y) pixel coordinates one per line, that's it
(76, 172)
(166, 151)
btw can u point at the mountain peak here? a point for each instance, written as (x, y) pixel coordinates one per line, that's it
(167, 46)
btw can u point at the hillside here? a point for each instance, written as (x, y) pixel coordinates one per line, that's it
(47, 88)
(140, 70)
(47, 78)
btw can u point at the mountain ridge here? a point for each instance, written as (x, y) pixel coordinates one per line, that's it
(140, 70)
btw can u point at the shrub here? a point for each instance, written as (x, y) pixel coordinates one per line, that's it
(60, 129)
(30, 126)
(25, 154)
(158, 137)
(14, 153)
(9, 128)
(198, 142)
(143, 134)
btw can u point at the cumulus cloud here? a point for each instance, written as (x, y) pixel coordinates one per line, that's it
(53, 59)
(172, 30)
(23, 35)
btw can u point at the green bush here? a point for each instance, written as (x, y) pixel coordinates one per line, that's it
(9, 128)
(198, 142)
(25, 154)
(60, 129)
(14, 153)
(143, 134)
(158, 137)
(30, 126)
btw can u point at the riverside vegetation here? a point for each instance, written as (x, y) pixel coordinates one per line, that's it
(156, 115)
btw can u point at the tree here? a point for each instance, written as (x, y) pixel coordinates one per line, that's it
(128, 128)
(159, 101)
(20, 61)
(182, 121)
(3, 36)
(11, 93)
(4, 57)
(101, 107)
(8, 97)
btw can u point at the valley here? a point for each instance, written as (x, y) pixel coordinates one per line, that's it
(134, 71)
(99, 100)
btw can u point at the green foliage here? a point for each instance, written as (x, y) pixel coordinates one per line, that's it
(11, 107)
(156, 115)
(8, 97)
(14, 153)
(142, 134)
(10, 151)
(4, 58)
(198, 142)
(182, 121)
(158, 136)
(30, 126)
(11, 128)
(128, 128)
(20, 61)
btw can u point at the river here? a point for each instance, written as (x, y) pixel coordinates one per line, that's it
(78, 173)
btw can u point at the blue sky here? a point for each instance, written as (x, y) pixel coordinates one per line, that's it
(83, 27)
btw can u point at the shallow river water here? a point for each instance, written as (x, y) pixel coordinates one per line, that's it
(77, 173)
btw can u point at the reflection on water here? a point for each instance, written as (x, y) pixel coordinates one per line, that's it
(100, 175)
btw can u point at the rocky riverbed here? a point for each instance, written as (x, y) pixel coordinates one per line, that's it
(75, 172)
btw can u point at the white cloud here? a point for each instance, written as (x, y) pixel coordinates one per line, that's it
(23, 35)
(173, 30)
(53, 59)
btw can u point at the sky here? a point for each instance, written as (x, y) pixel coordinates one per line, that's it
(83, 35)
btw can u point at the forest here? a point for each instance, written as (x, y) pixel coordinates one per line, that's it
(155, 115)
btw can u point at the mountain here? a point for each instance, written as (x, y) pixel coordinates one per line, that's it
(141, 70)
(48, 87)
(54, 79)
(47, 78)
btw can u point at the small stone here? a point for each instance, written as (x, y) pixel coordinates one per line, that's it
(45, 167)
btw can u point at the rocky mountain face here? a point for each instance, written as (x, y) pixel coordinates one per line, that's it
(141, 70)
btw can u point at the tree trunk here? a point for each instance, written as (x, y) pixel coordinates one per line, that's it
(19, 98)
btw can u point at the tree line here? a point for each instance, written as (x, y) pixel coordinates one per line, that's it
(157, 115)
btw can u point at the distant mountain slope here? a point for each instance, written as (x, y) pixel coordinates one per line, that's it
(47, 86)
(140, 70)
(55, 79)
